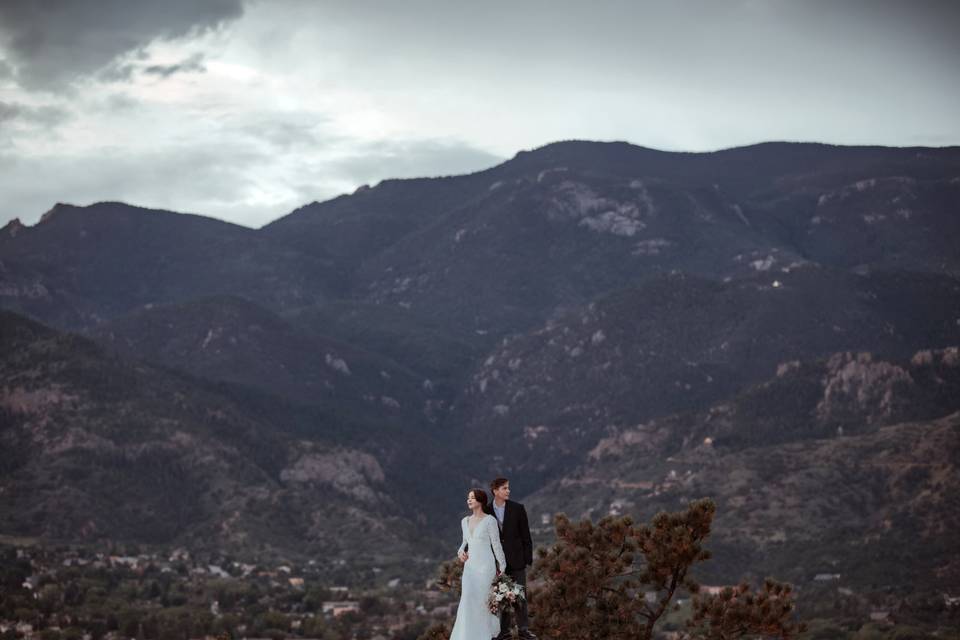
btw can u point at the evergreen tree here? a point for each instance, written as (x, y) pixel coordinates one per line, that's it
(615, 580)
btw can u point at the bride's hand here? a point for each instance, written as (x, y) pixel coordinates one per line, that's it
(463, 556)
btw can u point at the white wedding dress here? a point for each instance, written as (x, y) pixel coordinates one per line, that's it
(474, 620)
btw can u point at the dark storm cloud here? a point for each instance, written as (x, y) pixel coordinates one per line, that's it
(53, 43)
(192, 64)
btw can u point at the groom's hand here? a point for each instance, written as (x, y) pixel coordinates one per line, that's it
(463, 555)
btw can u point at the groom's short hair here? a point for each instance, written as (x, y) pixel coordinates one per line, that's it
(497, 483)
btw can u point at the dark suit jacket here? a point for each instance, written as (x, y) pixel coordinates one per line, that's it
(515, 536)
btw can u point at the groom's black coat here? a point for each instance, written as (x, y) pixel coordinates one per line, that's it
(515, 536)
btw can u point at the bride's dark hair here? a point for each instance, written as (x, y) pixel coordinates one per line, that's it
(481, 496)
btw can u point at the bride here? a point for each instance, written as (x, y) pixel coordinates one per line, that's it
(481, 537)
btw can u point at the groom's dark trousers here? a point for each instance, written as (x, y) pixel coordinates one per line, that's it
(518, 550)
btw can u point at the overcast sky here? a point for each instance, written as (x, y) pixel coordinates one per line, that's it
(246, 110)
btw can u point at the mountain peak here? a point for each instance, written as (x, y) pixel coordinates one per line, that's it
(13, 227)
(56, 210)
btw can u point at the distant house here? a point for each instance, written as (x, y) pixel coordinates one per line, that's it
(296, 583)
(712, 590)
(339, 607)
(126, 561)
(951, 601)
(179, 555)
(217, 571)
(826, 577)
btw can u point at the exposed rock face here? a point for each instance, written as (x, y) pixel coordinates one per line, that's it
(579, 202)
(949, 357)
(681, 343)
(353, 473)
(857, 384)
(13, 227)
(787, 481)
(99, 449)
(33, 401)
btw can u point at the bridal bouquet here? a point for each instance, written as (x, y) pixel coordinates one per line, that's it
(504, 594)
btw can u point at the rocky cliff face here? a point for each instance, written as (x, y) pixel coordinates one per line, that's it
(680, 343)
(801, 490)
(99, 449)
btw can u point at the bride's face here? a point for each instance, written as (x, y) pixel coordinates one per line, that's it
(471, 501)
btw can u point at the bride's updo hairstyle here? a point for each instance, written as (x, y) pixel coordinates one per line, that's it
(481, 496)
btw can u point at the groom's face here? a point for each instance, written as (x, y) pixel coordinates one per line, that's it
(503, 492)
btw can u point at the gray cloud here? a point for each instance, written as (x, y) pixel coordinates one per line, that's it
(117, 103)
(117, 72)
(373, 162)
(192, 64)
(303, 131)
(196, 179)
(45, 115)
(53, 43)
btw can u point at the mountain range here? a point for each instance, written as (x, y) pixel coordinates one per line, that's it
(617, 329)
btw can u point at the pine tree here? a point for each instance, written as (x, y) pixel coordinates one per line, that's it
(738, 611)
(450, 575)
(614, 580)
(438, 631)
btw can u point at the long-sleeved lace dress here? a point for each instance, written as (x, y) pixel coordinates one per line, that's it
(474, 620)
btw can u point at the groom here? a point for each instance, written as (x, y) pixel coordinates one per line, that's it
(518, 550)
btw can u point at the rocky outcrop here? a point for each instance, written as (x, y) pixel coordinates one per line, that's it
(352, 473)
(856, 384)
